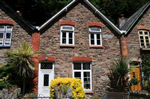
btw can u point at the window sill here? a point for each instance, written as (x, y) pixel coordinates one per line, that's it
(101, 47)
(67, 46)
(89, 92)
(146, 49)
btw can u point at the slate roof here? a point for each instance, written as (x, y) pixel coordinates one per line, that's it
(127, 25)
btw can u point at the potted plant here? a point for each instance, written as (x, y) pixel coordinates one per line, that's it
(134, 81)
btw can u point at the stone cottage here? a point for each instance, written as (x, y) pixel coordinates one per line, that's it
(77, 42)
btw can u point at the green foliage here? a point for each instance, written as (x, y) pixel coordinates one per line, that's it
(146, 65)
(134, 81)
(95, 96)
(147, 85)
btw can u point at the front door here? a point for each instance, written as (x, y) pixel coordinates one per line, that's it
(46, 74)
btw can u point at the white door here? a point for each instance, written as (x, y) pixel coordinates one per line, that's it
(46, 74)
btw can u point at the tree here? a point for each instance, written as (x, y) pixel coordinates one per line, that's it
(21, 60)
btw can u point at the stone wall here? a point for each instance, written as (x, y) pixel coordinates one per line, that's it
(9, 94)
(133, 37)
(102, 58)
(20, 32)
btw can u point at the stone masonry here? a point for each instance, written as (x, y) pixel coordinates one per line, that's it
(102, 58)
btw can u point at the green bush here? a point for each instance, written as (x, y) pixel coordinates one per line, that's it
(134, 81)
(147, 85)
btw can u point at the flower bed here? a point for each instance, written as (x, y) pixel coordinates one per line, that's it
(75, 84)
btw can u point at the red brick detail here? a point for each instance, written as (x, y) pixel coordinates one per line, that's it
(95, 24)
(67, 23)
(143, 27)
(123, 44)
(35, 41)
(43, 58)
(7, 22)
(89, 59)
(101, 47)
(89, 92)
(35, 46)
(67, 46)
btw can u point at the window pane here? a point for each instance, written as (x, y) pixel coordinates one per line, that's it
(67, 28)
(46, 66)
(1, 28)
(1, 35)
(141, 37)
(70, 41)
(64, 41)
(46, 80)
(141, 32)
(92, 42)
(77, 75)
(98, 36)
(92, 36)
(98, 42)
(86, 86)
(86, 74)
(133, 74)
(86, 66)
(63, 34)
(146, 33)
(77, 66)
(8, 35)
(9, 28)
(70, 35)
(95, 29)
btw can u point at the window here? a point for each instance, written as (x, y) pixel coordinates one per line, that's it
(144, 39)
(95, 36)
(5, 35)
(67, 35)
(83, 72)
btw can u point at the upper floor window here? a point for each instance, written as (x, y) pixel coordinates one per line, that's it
(95, 36)
(67, 35)
(144, 39)
(5, 35)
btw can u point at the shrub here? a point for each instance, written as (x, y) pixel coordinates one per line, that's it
(75, 84)
(134, 81)
(147, 85)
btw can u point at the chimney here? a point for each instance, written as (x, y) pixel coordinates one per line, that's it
(18, 12)
(121, 20)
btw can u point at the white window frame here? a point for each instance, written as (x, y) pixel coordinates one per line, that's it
(5, 31)
(144, 36)
(95, 36)
(82, 71)
(67, 35)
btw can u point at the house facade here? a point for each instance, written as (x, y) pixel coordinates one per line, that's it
(77, 42)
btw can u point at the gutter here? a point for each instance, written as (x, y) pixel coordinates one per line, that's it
(104, 18)
(51, 19)
(127, 30)
(17, 14)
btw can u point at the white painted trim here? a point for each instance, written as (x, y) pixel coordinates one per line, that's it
(95, 39)
(82, 71)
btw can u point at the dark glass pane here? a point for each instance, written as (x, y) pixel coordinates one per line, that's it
(64, 41)
(70, 35)
(1, 28)
(77, 66)
(70, 41)
(8, 35)
(98, 36)
(46, 80)
(141, 37)
(98, 42)
(86, 74)
(9, 28)
(86, 86)
(1, 35)
(146, 38)
(142, 40)
(141, 32)
(77, 74)
(146, 33)
(86, 66)
(46, 66)
(92, 42)
(87, 80)
(64, 35)
(92, 36)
